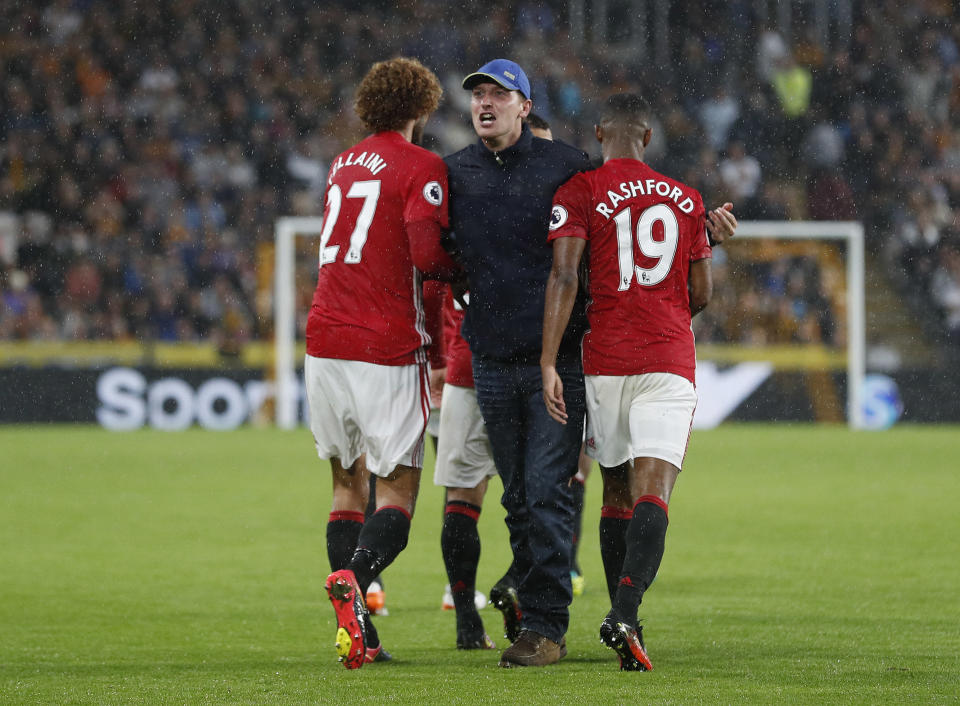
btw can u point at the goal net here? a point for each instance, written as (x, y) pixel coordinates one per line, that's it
(782, 340)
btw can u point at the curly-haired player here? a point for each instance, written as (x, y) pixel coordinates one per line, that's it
(365, 370)
(394, 92)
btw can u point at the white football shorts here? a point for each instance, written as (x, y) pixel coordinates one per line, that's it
(433, 421)
(639, 416)
(364, 408)
(464, 457)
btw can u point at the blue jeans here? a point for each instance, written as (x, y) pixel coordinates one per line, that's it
(536, 457)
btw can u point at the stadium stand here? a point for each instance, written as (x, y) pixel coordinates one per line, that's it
(146, 149)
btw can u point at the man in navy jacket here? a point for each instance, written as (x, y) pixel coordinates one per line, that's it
(501, 190)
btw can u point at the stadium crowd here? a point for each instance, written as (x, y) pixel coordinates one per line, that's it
(146, 149)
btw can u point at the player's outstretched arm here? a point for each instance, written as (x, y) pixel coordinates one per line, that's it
(721, 224)
(561, 295)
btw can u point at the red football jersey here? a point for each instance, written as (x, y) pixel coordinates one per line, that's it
(435, 294)
(368, 305)
(459, 360)
(643, 230)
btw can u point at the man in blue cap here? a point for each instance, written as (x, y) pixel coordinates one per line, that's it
(501, 189)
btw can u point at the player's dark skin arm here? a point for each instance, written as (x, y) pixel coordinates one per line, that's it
(700, 285)
(561, 294)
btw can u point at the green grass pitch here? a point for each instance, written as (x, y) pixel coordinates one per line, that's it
(804, 564)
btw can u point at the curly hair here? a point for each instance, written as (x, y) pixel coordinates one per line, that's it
(395, 91)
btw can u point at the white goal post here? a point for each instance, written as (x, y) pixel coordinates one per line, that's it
(284, 305)
(850, 232)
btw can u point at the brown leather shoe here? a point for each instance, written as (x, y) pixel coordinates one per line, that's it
(532, 650)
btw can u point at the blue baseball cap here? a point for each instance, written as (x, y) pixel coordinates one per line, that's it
(503, 71)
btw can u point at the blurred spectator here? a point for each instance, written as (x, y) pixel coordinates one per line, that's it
(945, 290)
(535, 18)
(793, 84)
(756, 128)
(925, 84)
(834, 87)
(918, 236)
(772, 204)
(740, 176)
(830, 197)
(772, 49)
(717, 115)
(823, 144)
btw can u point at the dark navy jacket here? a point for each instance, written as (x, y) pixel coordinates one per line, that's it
(499, 213)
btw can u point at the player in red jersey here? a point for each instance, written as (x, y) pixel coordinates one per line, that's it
(365, 369)
(464, 466)
(648, 274)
